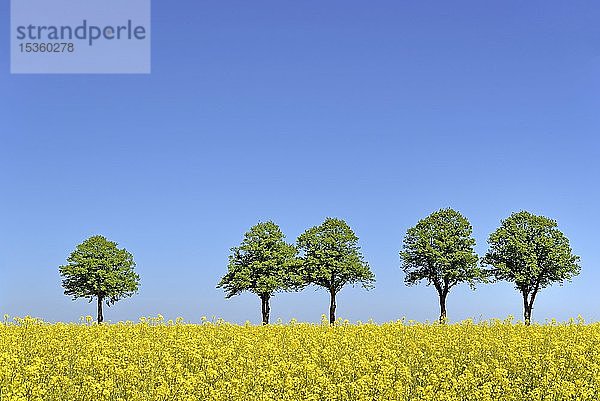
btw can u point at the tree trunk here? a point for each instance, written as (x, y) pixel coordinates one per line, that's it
(527, 307)
(443, 308)
(332, 307)
(100, 316)
(527, 315)
(266, 309)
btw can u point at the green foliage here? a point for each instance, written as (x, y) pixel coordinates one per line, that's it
(439, 249)
(97, 268)
(263, 264)
(332, 257)
(531, 252)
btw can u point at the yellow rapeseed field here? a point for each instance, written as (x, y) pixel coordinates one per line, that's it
(156, 360)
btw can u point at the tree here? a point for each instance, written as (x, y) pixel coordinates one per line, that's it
(98, 269)
(531, 252)
(332, 258)
(439, 249)
(263, 264)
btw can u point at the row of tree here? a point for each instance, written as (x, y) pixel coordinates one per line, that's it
(265, 264)
(526, 250)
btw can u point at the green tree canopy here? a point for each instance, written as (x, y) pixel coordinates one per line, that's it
(332, 258)
(439, 249)
(531, 252)
(98, 269)
(263, 264)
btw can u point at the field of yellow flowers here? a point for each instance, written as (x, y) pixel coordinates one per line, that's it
(156, 360)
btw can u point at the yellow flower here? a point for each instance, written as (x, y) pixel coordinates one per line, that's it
(154, 359)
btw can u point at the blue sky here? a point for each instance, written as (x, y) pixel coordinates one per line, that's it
(377, 113)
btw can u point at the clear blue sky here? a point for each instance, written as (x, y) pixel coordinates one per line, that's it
(377, 113)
